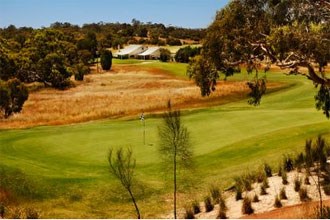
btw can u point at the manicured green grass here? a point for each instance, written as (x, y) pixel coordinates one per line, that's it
(227, 140)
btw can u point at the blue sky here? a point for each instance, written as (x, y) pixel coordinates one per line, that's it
(37, 13)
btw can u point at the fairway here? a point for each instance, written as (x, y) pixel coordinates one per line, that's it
(227, 140)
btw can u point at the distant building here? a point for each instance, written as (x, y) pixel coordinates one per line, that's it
(130, 51)
(151, 53)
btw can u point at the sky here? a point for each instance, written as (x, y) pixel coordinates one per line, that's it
(42, 13)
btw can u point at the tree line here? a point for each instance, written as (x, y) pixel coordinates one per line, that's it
(53, 54)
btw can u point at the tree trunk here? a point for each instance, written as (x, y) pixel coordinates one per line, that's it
(136, 207)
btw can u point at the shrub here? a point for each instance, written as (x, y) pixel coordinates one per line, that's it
(215, 194)
(260, 176)
(303, 195)
(255, 198)
(208, 204)
(247, 206)
(265, 183)
(283, 194)
(268, 170)
(189, 213)
(279, 170)
(222, 208)
(287, 163)
(196, 208)
(297, 184)
(306, 180)
(106, 59)
(238, 195)
(165, 55)
(277, 203)
(299, 161)
(31, 213)
(221, 214)
(284, 178)
(222, 204)
(263, 190)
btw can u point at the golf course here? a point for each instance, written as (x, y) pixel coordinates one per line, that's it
(66, 166)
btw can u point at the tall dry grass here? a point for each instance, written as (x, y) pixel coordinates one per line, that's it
(120, 93)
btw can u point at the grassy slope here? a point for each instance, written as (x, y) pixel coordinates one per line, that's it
(227, 140)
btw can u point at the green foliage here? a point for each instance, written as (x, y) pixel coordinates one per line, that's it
(258, 89)
(283, 194)
(165, 55)
(173, 42)
(268, 170)
(80, 71)
(204, 73)
(208, 204)
(183, 55)
(247, 206)
(13, 94)
(215, 193)
(287, 163)
(106, 59)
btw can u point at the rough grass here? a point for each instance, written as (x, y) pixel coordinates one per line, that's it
(226, 139)
(127, 91)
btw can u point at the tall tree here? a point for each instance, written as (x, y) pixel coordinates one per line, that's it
(106, 59)
(13, 94)
(175, 147)
(122, 165)
(289, 34)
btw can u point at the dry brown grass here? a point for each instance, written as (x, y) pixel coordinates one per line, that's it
(124, 92)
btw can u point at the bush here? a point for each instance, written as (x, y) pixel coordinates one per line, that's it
(284, 178)
(277, 203)
(189, 213)
(303, 195)
(215, 194)
(256, 198)
(279, 170)
(287, 163)
(32, 213)
(297, 184)
(13, 94)
(222, 204)
(247, 206)
(283, 194)
(106, 59)
(222, 214)
(268, 170)
(208, 204)
(165, 55)
(265, 183)
(238, 195)
(196, 208)
(184, 54)
(306, 180)
(263, 190)
(299, 161)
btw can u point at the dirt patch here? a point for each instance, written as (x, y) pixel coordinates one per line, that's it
(126, 91)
